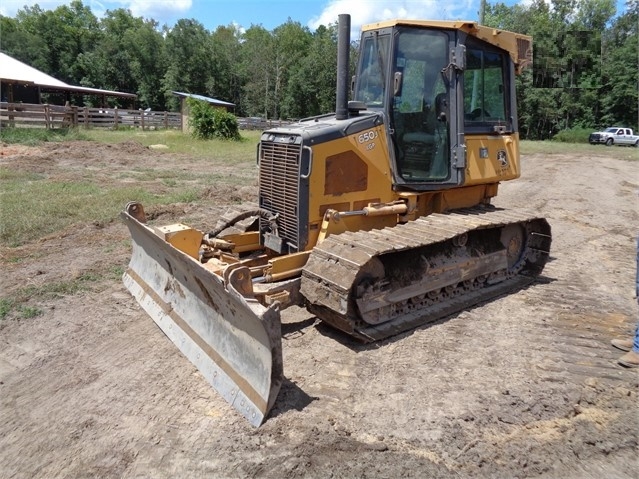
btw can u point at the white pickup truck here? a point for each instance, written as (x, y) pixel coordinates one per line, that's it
(614, 135)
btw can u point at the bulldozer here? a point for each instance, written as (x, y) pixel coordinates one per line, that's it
(376, 217)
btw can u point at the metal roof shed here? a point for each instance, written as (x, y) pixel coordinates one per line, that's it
(214, 102)
(19, 78)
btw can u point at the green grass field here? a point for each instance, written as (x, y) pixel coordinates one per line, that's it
(175, 141)
(33, 205)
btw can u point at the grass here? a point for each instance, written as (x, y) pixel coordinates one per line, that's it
(35, 136)
(585, 149)
(36, 204)
(33, 206)
(16, 304)
(230, 152)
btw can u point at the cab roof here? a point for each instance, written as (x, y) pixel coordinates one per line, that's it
(519, 46)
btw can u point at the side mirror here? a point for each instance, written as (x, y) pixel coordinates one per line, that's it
(458, 57)
(397, 84)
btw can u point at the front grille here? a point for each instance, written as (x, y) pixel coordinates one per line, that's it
(279, 184)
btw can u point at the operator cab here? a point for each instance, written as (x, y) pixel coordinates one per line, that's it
(434, 83)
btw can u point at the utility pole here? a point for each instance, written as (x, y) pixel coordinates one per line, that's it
(482, 11)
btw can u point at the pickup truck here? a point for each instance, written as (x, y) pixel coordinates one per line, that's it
(614, 135)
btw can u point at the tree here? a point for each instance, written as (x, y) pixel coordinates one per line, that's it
(620, 70)
(189, 60)
(312, 84)
(148, 63)
(564, 88)
(22, 44)
(132, 56)
(67, 32)
(291, 43)
(226, 80)
(257, 66)
(584, 73)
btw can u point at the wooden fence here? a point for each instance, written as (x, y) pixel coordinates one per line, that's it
(257, 123)
(54, 116)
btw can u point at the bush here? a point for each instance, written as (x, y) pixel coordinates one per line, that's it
(573, 135)
(207, 122)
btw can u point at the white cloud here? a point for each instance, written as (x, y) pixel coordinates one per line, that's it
(371, 11)
(157, 9)
(9, 8)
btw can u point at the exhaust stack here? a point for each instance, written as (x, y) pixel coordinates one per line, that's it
(343, 65)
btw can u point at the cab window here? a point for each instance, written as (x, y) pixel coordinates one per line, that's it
(371, 85)
(484, 91)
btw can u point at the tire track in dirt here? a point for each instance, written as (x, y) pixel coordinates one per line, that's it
(525, 385)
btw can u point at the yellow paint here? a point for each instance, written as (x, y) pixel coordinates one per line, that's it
(249, 241)
(286, 263)
(517, 45)
(379, 176)
(488, 170)
(481, 182)
(182, 237)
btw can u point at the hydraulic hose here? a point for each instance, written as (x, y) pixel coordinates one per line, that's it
(239, 217)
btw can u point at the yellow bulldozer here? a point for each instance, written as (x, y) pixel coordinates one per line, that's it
(377, 217)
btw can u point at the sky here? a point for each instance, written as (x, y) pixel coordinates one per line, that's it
(273, 13)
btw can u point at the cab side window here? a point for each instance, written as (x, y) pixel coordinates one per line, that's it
(484, 92)
(371, 83)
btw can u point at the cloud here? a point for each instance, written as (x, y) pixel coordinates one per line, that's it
(158, 8)
(9, 8)
(371, 11)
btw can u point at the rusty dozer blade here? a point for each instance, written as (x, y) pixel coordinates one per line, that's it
(233, 340)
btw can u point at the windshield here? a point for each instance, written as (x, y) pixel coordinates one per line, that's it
(611, 130)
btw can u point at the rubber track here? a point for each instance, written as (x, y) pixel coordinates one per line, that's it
(334, 264)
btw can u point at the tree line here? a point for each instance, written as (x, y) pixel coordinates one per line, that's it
(585, 71)
(284, 73)
(584, 74)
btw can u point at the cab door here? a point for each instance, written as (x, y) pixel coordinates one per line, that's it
(426, 141)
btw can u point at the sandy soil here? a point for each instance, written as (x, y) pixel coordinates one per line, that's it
(524, 386)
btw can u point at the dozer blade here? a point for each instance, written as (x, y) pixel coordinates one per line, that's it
(233, 340)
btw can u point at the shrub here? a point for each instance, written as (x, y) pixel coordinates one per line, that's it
(207, 122)
(573, 135)
(226, 125)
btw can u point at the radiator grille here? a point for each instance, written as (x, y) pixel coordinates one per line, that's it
(279, 177)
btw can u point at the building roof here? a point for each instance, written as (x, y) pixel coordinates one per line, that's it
(14, 71)
(212, 101)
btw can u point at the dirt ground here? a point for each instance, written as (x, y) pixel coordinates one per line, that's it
(524, 386)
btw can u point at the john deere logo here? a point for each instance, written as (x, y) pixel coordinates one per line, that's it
(502, 158)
